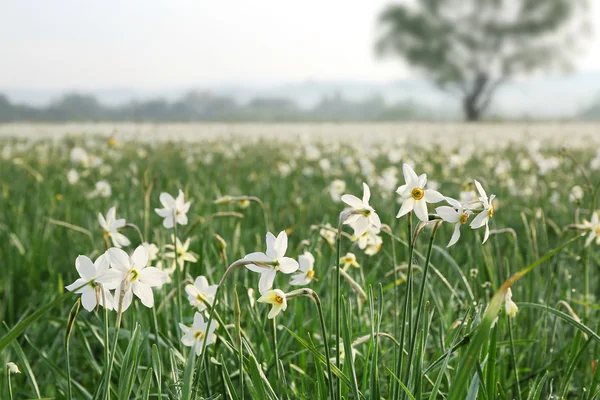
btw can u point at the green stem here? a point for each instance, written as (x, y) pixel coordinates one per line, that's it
(514, 357)
(396, 391)
(276, 350)
(177, 271)
(338, 306)
(10, 394)
(114, 348)
(586, 281)
(413, 340)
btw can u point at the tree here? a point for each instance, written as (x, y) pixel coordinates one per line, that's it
(473, 46)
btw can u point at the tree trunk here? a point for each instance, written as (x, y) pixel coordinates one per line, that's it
(472, 113)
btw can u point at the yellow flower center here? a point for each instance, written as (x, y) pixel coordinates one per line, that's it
(200, 297)
(464, 217)
(491, 211)
(106, 234)
(278, 299)
(199, 335)
(417, 193)
(310, 274)
(598, 231)
(134, 274)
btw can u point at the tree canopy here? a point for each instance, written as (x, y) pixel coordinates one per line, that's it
(473, 46)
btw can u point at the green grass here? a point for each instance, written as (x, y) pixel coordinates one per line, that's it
(450, 349)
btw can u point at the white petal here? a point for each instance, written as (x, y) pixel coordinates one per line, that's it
(448, 214)
(163, 212)
(487, 233)
(420, 208)
(479, 220)
(266, 280)
(88, 298)
(111, 216)
(455, 235)
(140, 257)
(118, 259)
(144, 293)
(366, 194)
(353, 201)
(281, 244)
(288, 265)
(101, 264)
(168, 222)
(85, 267)
(271, 245)
(153, 276)
(407, 206)
(361, 226)
(102, 221)
(482, 192)
(433, 196)
(409, 173)
(80, 285)
(374, 220)
(119, 240)
(167, 201)
(111, 279)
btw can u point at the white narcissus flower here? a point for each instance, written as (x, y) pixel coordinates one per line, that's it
(277, 299)
(307, 273)
(193, 336)
(174, 210)
(111, 225)
(135, 276)
(152, 250)
(509, 305)
(94, 283)
(348, 260)
(201, 293)
(183, 254)
(103, 189)
(594, 227)
(72, 177)
(457, 215)
(362, 216)
(415, 196)
(328, 233)
(336, 189)
(267, 264)
(488, 211)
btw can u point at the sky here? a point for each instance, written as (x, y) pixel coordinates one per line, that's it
(74, 44)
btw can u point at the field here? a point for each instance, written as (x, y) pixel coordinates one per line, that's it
(406, 318)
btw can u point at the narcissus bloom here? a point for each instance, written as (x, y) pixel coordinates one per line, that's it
(415, 196)
(348, 260)
(362, 216)
(457, 215)
(484, 216)
(201, 293)
(594, 227)
(111, 225)
(267, 264)
(183, 254)
(174, 210)
(193, 336)
(13, 368)
(277, 299)
(509, 305)
(306, 272)
(94, 283)
(135, 276)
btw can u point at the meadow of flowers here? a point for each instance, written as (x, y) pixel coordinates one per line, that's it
(305, 267)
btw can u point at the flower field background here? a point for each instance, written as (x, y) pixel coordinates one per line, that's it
(356, 314)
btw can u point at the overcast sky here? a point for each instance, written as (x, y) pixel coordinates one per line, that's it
(159, 43)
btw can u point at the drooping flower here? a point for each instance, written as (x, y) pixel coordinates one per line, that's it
(193, 336)
(484, 216)
(349, 260)
(93, 283)
(509, 305)
(111, 225)
(13, 368)
(135, 276)
(594, 227)
(267, 264)
(201, 293)
(457, 215)
(183, 254)
(362, 216)
(307, 273)
(174, 210)
(277, 300)
(415, 196)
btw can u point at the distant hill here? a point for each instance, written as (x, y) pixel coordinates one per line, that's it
(545, 97)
